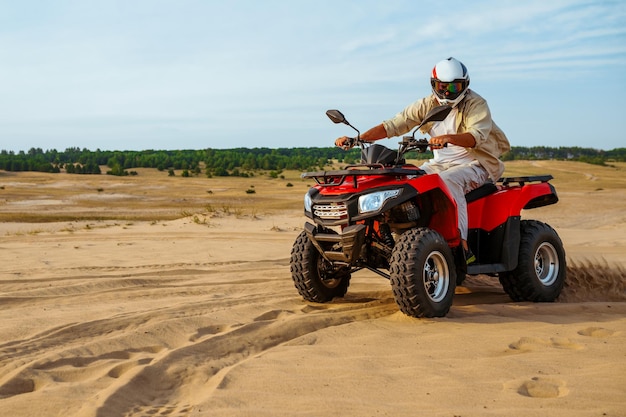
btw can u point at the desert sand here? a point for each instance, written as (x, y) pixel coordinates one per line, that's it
(169, 296)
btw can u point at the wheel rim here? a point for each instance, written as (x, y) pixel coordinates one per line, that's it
(546, 264)
(436, 276)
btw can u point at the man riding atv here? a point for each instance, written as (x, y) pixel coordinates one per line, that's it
(466, 145)
(425, 228)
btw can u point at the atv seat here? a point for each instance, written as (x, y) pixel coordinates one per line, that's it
(480, 192)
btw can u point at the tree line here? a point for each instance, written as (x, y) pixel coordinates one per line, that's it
(588, 155)
(245, 161)
(215, 162)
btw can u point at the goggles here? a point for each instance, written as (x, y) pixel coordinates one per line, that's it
(454, 87)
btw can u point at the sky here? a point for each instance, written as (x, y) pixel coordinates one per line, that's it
(197, 74)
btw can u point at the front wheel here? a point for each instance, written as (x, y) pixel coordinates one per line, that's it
(540, 272)
(423, 275)
(315, 278)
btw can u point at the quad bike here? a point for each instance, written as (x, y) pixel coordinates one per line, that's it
(392, 218)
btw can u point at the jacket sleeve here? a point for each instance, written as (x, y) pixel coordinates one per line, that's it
(408, 118)
(477, 121)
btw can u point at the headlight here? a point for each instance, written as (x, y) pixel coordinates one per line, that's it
(307, 202)
(374, 201)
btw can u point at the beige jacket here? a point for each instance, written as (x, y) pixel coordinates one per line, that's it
(474, 117)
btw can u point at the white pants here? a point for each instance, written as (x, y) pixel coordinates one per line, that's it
(460, 180)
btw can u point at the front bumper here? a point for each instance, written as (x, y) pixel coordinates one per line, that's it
(344, 247)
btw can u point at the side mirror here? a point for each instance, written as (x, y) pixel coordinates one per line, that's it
(437, 114)
(337, 117)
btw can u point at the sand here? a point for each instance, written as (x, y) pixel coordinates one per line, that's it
(194, 313)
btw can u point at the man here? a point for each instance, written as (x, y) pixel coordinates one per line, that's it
(466, 145)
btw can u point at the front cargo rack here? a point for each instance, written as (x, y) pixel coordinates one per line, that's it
(338, 177)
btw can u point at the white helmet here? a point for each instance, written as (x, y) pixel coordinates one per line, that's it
(450, 81)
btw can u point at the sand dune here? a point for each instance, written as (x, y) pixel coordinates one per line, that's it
(197, 316)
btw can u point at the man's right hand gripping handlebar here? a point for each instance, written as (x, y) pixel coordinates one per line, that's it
(345, 143)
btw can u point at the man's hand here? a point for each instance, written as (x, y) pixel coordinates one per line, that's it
(371, 136)
(344, 142)
(438, 142)
(465, 140)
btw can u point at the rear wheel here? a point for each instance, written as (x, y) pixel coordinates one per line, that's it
(423, 274)
(540, 272)
(315, 278)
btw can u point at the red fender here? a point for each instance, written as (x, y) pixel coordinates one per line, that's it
(492, 211)
(445, 220)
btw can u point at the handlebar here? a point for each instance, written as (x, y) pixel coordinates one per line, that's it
(436, 114)
(408, 143)
(351, 142)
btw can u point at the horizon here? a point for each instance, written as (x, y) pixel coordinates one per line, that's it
(82, 149)
(115, 75)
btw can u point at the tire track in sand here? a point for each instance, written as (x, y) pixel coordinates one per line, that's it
(165, 357)
(197, 370)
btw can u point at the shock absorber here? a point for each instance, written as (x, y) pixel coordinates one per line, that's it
(385, 235)
(411, 211)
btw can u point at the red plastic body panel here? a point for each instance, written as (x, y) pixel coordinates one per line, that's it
(490, 212)
(486, 213)
(444, 221)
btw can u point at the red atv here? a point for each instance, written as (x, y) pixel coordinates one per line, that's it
(394, 219)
